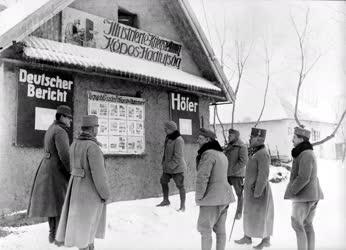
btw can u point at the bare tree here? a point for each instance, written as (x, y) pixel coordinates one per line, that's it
(241, 59)
(267, 63)
(240, 62)
(304, 71)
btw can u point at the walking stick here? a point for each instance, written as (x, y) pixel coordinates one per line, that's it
(230, 234)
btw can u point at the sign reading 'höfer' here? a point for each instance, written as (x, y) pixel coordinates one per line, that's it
(185, 112)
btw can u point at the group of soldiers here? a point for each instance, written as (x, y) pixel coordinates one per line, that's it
(71, 185)
(247, 170)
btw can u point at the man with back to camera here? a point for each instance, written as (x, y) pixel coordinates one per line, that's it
(173, 164)
(52, 176)
(83, 216)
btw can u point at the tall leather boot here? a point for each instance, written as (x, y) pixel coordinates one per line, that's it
(239, 210)
(165, 191)
(91, 246)
(51, 223)
(182, 194)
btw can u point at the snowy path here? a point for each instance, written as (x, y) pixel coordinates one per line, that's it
(140, 225)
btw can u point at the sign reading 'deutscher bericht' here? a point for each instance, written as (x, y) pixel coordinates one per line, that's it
(185, 112)
(88, 30)
(40, 92)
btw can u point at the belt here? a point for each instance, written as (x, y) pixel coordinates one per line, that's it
(79, 172)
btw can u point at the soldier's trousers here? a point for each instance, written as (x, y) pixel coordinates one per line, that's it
(212, 218)
(238, 185)
(302, 217)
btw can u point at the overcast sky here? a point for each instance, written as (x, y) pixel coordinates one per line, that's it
(269, 22)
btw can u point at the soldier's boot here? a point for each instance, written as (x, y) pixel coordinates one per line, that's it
(239, 210)
(182, 199)
(91, 246)
(264, 243)
(51, 223)
(245, 240)
(165, 201)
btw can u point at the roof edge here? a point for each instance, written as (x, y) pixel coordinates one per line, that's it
(220, 75)
(31, 22)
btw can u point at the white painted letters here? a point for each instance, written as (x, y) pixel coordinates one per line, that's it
(182, 103)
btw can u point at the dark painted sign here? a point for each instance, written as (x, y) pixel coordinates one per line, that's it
(40, 92)
(184, 110)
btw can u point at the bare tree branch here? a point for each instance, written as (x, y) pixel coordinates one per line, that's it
(206, 20)
(240, 63)
(302, 73)
(332, 134)
(312, 65)
(233, 109)
(223, 129)
(267, 62)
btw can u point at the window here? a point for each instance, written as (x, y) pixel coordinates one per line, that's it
(315, 135)
(340, 150)
(127, 18)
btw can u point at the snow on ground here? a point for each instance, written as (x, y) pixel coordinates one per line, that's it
(139, 224)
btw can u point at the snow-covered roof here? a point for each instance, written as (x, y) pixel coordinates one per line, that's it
(91, 58)
(21, 19)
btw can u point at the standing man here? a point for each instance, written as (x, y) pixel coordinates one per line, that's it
(173, 164)
(303, 189)
(50, 182)
(83, 216)
(258, 202)
(213, 193)
(237, 155)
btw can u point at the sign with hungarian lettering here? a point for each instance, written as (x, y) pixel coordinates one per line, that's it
(184, 110)
(88, 30)
(40, 92)
(121, 120)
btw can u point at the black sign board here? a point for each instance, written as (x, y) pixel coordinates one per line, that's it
(184, 110)
(40, 92)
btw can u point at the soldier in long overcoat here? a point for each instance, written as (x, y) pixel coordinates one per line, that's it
(83, 216)
(173, 164)
(51, 178)
(258, 199)
(303, 189)
(213, 193)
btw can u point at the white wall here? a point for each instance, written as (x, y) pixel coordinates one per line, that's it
(279, 136)
(327, 149)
